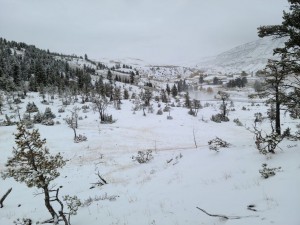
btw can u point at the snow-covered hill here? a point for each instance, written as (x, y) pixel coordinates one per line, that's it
(249, 57)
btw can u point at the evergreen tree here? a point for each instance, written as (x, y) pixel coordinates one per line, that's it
(132, 75)
(126, 94)
(201, 79)
(16, 75)
(174, 91)
(163, 96)
(290, 52)
(275, 78)
(168, 89)
(33, 165)
(109, 76)
(187, 100)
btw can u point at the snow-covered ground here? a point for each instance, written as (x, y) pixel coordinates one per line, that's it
(180, 177)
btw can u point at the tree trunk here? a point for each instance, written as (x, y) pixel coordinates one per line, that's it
(277, 113)
(75, 135)
(47, 202)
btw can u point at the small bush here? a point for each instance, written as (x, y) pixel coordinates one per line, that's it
(48, 122)
(218, 118)
(159, 112)
(48, 114)
(217, 143)
(258, 117)
(38, 118)
(143, 156)
(31, 107)
(80, 138)
(85, 107)
(17, 101)
(166, 109)
(268, 172)
(61, 110)
(28, 123)
(108, 119)
(192, 112)
(238, 122)
(23, 221)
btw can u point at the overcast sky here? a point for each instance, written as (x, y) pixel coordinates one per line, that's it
(160, 31)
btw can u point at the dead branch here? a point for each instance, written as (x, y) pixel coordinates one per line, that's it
(100, 182)
(4, 197)
(225, 217)
(214, 215)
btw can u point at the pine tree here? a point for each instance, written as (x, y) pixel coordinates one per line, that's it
(126, 94)
(174, 91)
(132, 75)
(201, 79)
(33, 165)
(109, 76)
(163, 96)
(275, 78)
(168, 89)
(187, 101)
(290, 52)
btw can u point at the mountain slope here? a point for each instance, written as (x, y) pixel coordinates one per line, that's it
(249, 57)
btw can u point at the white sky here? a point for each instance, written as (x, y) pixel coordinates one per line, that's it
(160, 31)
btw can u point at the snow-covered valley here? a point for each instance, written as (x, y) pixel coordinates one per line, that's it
(183, 174)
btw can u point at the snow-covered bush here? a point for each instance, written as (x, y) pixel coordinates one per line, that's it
(23, 221)
(218, 118)
(28, 123)
(217, 143)
(143, 156)
(17, 101)
(167, 108)
(61, 110)
(268, 172)
(48, 122)
(8, 121)
(48, 114)
(237, 122)
(73, 203)
(31, 107)
(85, 107)
(267, 143)
(159, 112)
(38, 118)
(169, 117)
(108, 119)
(80, 138)
(258, 117)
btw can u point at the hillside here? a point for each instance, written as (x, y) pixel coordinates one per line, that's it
(248, 57)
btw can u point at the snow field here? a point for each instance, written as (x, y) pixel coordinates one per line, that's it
(159, 192)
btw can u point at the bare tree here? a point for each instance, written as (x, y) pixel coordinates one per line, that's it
(73, 121)
(100, 105)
